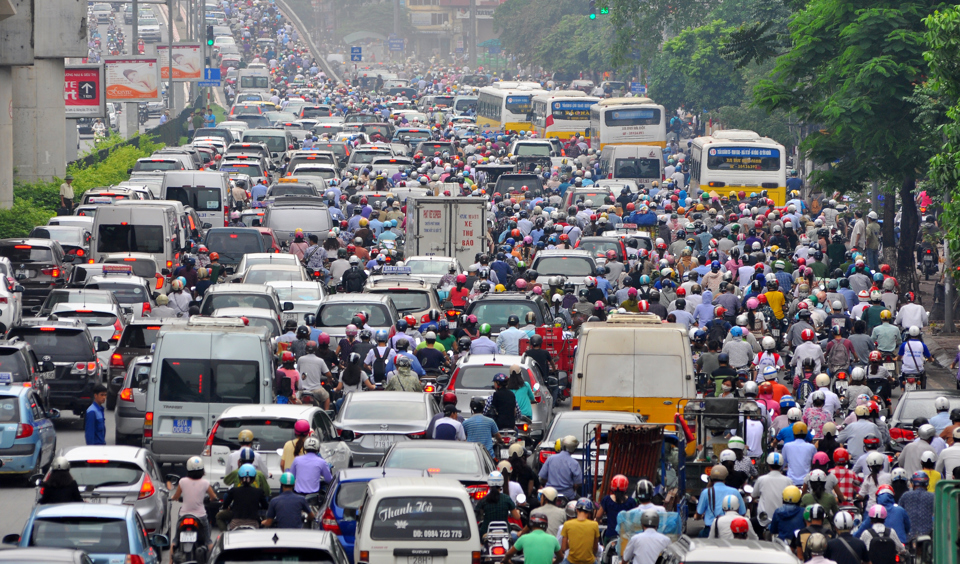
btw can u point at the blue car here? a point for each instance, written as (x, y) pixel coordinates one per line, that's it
(28, 441)
(339, 512)
(107, 533)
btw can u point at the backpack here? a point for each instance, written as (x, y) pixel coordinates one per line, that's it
(716, 332)
(379, 366)
(350, 378)
(838, 356)
(883, 550)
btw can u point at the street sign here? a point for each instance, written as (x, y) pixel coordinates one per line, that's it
(459, 50)
(356, 54)
(637, 88)
(396, 44)
(211, 73)
(209, 84)
(83, 93)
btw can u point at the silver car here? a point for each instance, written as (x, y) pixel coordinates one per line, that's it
(336, 311)
(372, 422)
(122, 475)
(132, 402)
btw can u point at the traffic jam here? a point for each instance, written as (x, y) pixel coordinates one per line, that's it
(415, 313)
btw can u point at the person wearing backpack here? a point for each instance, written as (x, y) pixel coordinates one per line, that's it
(840, 352)
(845, 548)
(353, 378)
(883, 544)
(378, 358)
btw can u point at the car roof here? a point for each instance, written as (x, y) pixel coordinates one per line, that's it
(390, 396)
(367, 474)
(84, 510)
(155, 321)
(77, 306)
(357, 298)
(292, 538)
(416, 484)
(107, 452)
(244, 312)
(14, 391)
(406, 282)
(716, 550)
(285, 258)
(239, 288)
(508, 296)
(69, 323)
(271, 266)
(29, 241)
(487, 359)
(41, 554)
(279, 411)
(564, 253)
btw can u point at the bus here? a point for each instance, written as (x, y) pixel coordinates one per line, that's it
(253, 80)
(506, 106)
(562, 113)
(734, 160)
(627, 121)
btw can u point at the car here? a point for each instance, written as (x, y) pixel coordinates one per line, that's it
(149, 29)
(131, 401)
(252, 259)
(572, 264)
(242, 295)
(39, 265)
(231, 243)
(104, 321)
(513, 183)
(432, 268)
(137, 338)
(721, 551)
(254, 317)
(76, 295)
(345, 497)
(277, 545)
(145, 266)
(373, 422)
(263, 273)
(287, 214)
(28, 441)
(469, 463)
(72, 220)
(133, 292)
(11, 296)
(122, 475)
(336, 311)
(44, 556)
(305, 297)
(109, 195)
(75, 241)
(573, 423)
(595, 194)
(160, 164)
(599, 245)
(411, 295)
(473, 377)
(106, 532)
(496, 309)
(73, 350)
(913, 404)
(19, 364)
(272, 427)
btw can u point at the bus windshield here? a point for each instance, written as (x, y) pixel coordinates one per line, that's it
(518, 104)
(743, 158)
(255, 82)
(633, 116)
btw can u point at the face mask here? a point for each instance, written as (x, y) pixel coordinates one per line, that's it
(726, 389)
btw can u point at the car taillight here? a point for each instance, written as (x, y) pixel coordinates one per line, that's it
(226, 216)
(159, 285)
(213, 433)
(126, 394)
(475, 557)
(478, 492)
(453, 378)
(148, 425)
(55, 272)
(24, 430)
(365, 557)
(537, 398)
(899, 434)
(116, 359)
(133, 559)
(117, 330)
(3, 301)
(146, 489)
(420, 435)
(91, 367)
(545, 454)
(147, 309)
(329, 522)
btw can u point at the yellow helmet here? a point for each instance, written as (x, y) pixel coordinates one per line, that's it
(500, 288)
(799, 429)
(886, 315)
(245, 436)
(364, 222)
(791, 494)
(861, 411)
(732, 194)
(774, 249)
(654, 184)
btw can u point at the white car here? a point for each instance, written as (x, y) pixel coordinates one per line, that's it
(103, 320)
(252, 259)
(133, 292)
(11, 302)
(305, 296)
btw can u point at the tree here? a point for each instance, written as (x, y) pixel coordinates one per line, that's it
(574, 44)
(523, 24)
(851, 69)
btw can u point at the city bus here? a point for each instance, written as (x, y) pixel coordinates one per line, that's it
(506, 106)
(733, 160)
(627, 121)
(562, 113)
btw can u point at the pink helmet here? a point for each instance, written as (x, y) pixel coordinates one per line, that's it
(301, 427)
(528, 240)
(631, 292)
(471, 318)
(323, 339)
(234, 215)
(351, 330)
(521, 284)
(821, 458)
(878, 512)
(753, 303)
(538, 290)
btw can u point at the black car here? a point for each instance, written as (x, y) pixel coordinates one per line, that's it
(39, 265)
(514, 183)
(234, 242)
(496, 310)
(19, 364)
(73, 351)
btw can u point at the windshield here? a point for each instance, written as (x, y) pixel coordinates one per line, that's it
(61, 345)
(232, 246)
(636, 168)
(416, 517)
(921, 407)
(497, 313)
(139, 336)
(407, 300)
(255, 82)
(273, 554)
(200, 199)
(65, 235)
(464, 104)
(90, 534)
(629, 117)
(479, 377)
(533, 150)
(289, 294)
(209, 381)
(340, 315)
(12, 367)
(600, 248)
(515, 183)
(144, 268)
(448, 461)
(157, 165)
(130, 239)
(253, 170)
(101, 473)
(590, 197)
(367, 156)
(428, 266)
(291, 190)
(125, 293)
(574, 425)
(307, 219)
(263, 275)
(270, 434)
(66, 296)
(564, 266)
(310, 170)
(90, 318)
(213, 302)
(392, 410)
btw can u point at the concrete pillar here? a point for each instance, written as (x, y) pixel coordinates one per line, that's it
(72, 149)
(132, 111)
(179, 99)
(38, 112)
(6, 136)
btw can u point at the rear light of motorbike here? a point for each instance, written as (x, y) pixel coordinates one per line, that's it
(133, 559)
(116, 360)
(213, 433)
(429, 388)
(188, 522)
(523, 427)
(329, 522)
(498, 551)
(146, 489)
(24, 430)
(452, 314)
(126, 394)
(169, 264)
(147, 309)
(148, 425)
(478, 492)
(545, 454)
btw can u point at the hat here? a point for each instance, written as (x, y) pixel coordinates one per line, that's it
(69, 177)
(450, 408)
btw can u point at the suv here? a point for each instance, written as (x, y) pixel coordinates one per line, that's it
(496, 309)
(20, 365)
(257, 296)
(573, 265)
(411, 296)
(336, 312)
(137, 339)
(73, 350)
(289, 213)
(39, 265)
(721, 551)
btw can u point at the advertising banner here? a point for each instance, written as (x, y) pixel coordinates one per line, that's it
(132, 79)
(187, 62)
(83, 92)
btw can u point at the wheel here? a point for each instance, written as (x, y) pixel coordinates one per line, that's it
(111, 401)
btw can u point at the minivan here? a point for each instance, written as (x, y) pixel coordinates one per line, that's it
(416, 518)
(143, 226)
(278, 141)
(641, 163)
(633, 362)
(207, 192)
(199, 369)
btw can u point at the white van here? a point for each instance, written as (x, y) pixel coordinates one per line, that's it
(640, 163)
(278, 141)
(141, 226)
(200, 369)
(633, 362)
(207, 192)
(416, 520)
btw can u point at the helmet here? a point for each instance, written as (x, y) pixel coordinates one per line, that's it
(858, 374)
(841, 456)
(728, 455)
(926, 431)
(569, 443)
(768, 343)
(822, 380)
(878, 512)
(538, 521)
(248, 471)
(843, 521)
(736, 443)
(495, 479)
(941, 404)
(740, 526)
(914, 331)
(787, 401)
(871, 441)
(876, 356)
(875, 459)
(799, 429)
(60, 463)
(549, 492)
(750, 388)
(584, 504)
(245, 437)
(194, 463)
(287, 479)
(899, 474)
(247, 454)
(774, 459)
(650, 518)
(791, 494)
(928, 456)
(301, 427)
(485, 329)
(719, 473)
(730, 503)
(645, 490)
(619, 483)
(286, 357)
(351, 330)
(920, 480)
(794, 414)
(817, 542)
(312, 445)
(885, 315)
(818, 476)
(323, 339)
(807, 335)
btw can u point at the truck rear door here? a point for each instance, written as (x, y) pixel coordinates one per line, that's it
(468, 229)
(433, 228)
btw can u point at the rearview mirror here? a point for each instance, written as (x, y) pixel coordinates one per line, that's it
(11, 539)
(159, 541)
(18, 289)
(173, 479)
(117, 380)
(287, 306)
(551, 381)
(207, 225)
(165, 271)
(256, 223)
(347, 435)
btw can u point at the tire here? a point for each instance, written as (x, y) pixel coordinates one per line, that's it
(111, 401)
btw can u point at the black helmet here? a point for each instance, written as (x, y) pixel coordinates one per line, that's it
(434, 315)
(341, 253)
(303, 332)
(536, 341)
(530, 317)
(402, 344)
(477, 405)
(513, 320)
(464, 343)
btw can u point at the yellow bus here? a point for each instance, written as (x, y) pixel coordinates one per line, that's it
(506, 106)
(627, 121)
(562, 113)
(735, 160)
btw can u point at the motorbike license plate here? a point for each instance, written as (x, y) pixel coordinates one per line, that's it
(383, 441)
(419, 559)
(188, 536)
(289, 317)
(890, 366)
(910, 387)
(504, 454)
(183, 426)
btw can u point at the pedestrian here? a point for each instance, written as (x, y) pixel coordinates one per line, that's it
(66, 195)
(94, 421)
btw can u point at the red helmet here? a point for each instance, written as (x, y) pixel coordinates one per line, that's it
(461, 278)
(323, 339)
(631, 206)
(411, 321)
(593, 217)
(351, 249)
(449, 397)
(719, 311)
(807, 335)
(374, 252)
(643, 306)
(885, 268)
(599, 305)
(875, 356)
(765, 388)
(871, 441)
(732, 218)
(343, 224)
(841, 456)
(741, 194)
(363, 200)
(611, 254)
(524, 189)
(762, 298)
(287, 357)
(910, 297)
(681, 292)
(515, 233)
(214, 256)
(801, 261)
(802, 305)
(564, 237)
(739, 526)
(619, 483)
(874, 407)
(758, 224)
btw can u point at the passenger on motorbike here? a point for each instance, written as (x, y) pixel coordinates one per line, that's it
(611, 505)
(294, 447)
(538, 546)
(287, 509)
(496, 506)
(645, 547)
(480, 428)
(247, 456)
(192, 490)
(911, 355)
(59, 485)
(430, 357)
(244, 501)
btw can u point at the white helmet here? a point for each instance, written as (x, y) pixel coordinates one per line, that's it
(843, 521)
(728, 455)
(769, 372)
(750, 389)
(312, 444)
(818, 476)
(495, 479)
(858, 374)
(60, 463)
(730, 503)
(876, 459)
(914, 331)
(899, 474)
(194, 463)
(822, 380)
(794, 414)
(768, 343)
(941, 404)
(928, 456)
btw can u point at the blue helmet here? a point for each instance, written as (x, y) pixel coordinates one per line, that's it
(500, 378)
(247, 455)
(402, 325)
(248, 471)
(383, 335)
(715, 265)
(736, 331)
(787, 401)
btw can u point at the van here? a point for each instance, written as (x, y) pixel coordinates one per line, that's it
(420, 519)
(634, 363)
(641, 163)
(200, 369)
(143, 226)
(206, 192)
(278, 142)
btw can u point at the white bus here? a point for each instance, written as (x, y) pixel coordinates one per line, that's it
(506, 106)
(562, 113)
(627, 121)
(733, 160)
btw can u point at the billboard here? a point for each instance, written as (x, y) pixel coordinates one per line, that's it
(187, 62)
(83, 91)
(132, 79)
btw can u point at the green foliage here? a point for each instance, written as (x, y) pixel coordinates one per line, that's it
(111, 170)
(523, 25)
(21, 218)
(575, 43)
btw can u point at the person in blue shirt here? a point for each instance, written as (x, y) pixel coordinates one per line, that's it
(257, 193)
(310, 469)
(561, 472)
(480, 428)
(794, 182)
(602, 284)
(710, 505)
(94, 422)
(209, 120)
(403, 348)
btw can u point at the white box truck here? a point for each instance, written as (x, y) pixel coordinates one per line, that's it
(446, 227)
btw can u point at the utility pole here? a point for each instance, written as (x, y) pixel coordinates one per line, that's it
(473, 36)
(170, 56)
(947, 278)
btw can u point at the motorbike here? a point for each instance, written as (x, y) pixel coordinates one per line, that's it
(839, 387)
(496, 543)
(803, 386)
(192, 540)
(143, 114)
(911, 383)
(928, 261)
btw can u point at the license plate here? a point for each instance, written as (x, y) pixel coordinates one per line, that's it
(504, 454)
(891, 366)
(289, 317)
(6, 378)
(383, 441)
(183, 426)
(419, 559)
(188, 536)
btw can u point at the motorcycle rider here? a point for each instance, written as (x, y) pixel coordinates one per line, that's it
(59, 485)
(645, 547)
(845, 548)
(789, 517)
(911, 355)
(561, 471)
(480, 428)
(538, 545)
(496, 505)
(192, 490)
(310, 470)
(710, 505)
(286, 509)
(502, 404)
(245, 438)
(721, 525)
(245, 501)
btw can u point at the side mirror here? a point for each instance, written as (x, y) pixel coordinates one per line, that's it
(165, 271)
(173, 479)
(102, 346)
(287, 306)
(128, 310)
(551, 381)
(347, 435)
(36, 480)
(18, 288)
(47, 366)
(21, 276)
(53, 413)
(70, 259)
(257, 222)
(159, 541)
(117, 381)
(229, 271)
(11, 539)
(207, 225)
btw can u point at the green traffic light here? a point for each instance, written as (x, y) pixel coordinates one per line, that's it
(209, 42)
(593, 16)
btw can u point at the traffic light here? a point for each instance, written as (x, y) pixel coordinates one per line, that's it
(604, 11)
(593, 9)
(209, 36)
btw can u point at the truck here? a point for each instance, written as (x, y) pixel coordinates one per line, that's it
(447, 227)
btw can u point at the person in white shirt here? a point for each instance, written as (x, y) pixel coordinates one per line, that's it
(449, 428)
(645, 547)
(911, 314)
(768, 489)
(721, 525)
